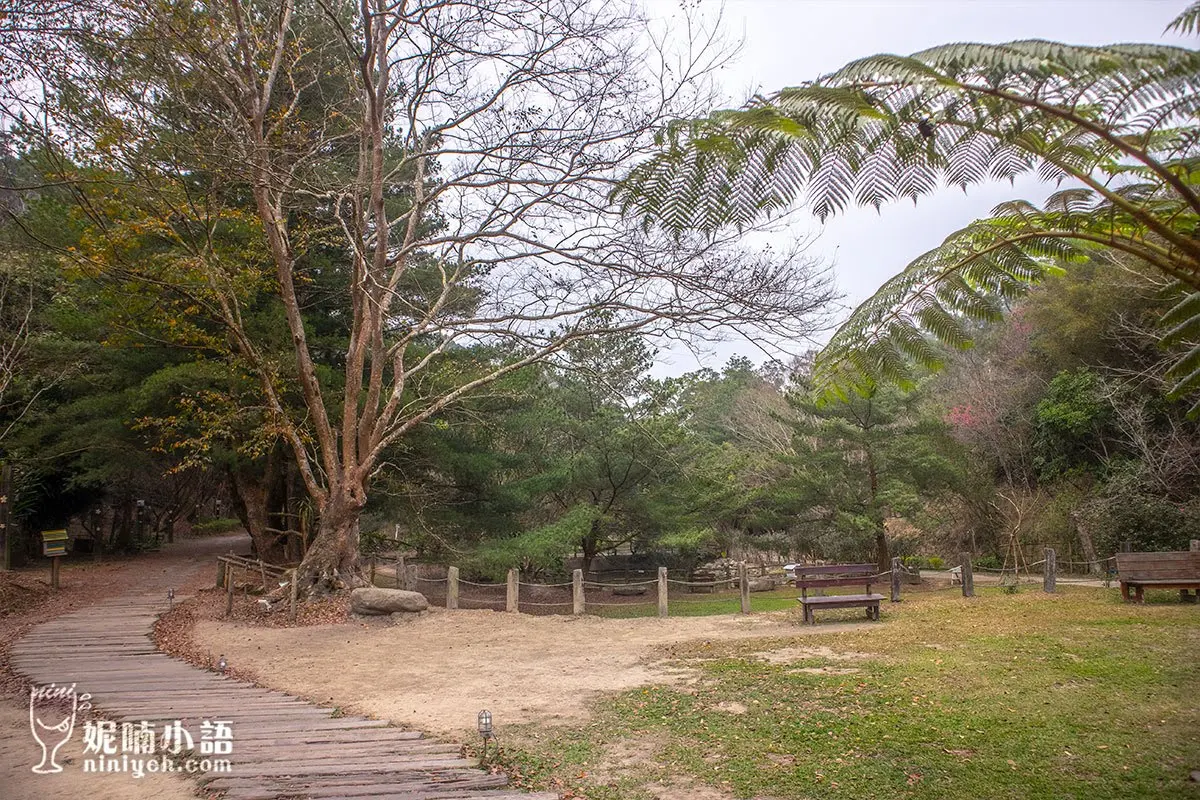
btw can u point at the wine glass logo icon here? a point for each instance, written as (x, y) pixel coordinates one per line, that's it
(58, 704)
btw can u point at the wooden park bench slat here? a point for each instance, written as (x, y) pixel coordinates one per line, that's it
(1169, 570)
(837, 575)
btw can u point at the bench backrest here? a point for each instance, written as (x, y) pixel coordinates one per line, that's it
(835, 575)
(835, 569)
(1175, 565)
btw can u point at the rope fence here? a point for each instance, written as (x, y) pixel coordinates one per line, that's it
(444, 586)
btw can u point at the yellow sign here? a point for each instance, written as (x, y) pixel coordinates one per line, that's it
(54, 543)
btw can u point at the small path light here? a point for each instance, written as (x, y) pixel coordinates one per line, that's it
(222, 665)
(171, 598)
(485, 730)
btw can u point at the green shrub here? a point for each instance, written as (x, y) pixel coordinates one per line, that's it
(989, 561)
(220, 525)
(1149, 523)
(935, 562)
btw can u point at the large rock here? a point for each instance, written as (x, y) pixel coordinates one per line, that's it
(374, 601)
(761, 584)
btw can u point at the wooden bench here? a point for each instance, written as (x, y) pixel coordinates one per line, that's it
(1170, 570)
(837, 575)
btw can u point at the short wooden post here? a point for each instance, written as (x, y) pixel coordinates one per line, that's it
(410, 577)
(513, 595)
(1049, 571)
(662, 591)
(1195, 545)
(400, 572)
(54, 567)
(452, 588)
(228, 592)
(578, 599)
(895, 579)
(968, 576)
(220, 573)
(744, 586)
(292, 592)
(372, 571)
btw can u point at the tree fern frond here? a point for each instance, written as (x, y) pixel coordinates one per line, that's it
(889, 127)
(1188, 22)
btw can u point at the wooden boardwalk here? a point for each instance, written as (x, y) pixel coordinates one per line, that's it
(282, 747)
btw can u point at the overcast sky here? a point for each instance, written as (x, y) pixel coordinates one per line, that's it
(786, 42)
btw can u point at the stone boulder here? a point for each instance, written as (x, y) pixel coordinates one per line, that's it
(761, 584)
(374, 601)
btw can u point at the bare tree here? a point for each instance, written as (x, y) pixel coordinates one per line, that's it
(459, 156)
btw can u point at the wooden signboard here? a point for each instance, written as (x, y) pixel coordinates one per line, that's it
(54, 543)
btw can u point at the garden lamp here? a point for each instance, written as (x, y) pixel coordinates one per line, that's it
(485, 730)
(485, 725)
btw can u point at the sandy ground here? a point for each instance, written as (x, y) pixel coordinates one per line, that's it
(436, 672)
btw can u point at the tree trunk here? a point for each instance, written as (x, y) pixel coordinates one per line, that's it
(589, 552)
(332, 560)
(883, 553)
(1085, 542)
(255, 499)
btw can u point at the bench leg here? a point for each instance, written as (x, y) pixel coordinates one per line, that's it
(1138, 594)
(1125, 592)
(1184, 597)
(870, 614)
(877, 613)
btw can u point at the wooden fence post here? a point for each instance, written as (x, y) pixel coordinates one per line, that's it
(228, 591)
(895, 579)
(410, 577)
(968, 576)
(292, 596)
(1049, 571)
(54, 567)
(513, 595)
(220, 573)
(578, 601)
(452, 588)
(744, 586)
(401, 572)
(662, 591)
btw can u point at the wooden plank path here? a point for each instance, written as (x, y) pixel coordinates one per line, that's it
(283, 747)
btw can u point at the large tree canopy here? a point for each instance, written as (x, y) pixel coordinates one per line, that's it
(443, 169)
(1116, 124)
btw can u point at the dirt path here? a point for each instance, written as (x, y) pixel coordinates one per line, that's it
(438, 671)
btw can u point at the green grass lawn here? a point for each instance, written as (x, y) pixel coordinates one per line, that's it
(1074, 695)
